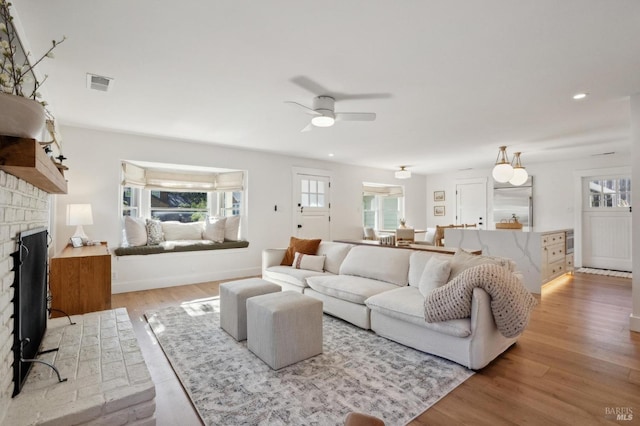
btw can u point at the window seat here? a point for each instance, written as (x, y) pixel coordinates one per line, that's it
(179, 246)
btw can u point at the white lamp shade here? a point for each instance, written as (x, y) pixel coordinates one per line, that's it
(79, 214)
(502, 172)
(520, 176)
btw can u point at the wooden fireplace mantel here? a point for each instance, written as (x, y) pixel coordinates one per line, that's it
(25, 159)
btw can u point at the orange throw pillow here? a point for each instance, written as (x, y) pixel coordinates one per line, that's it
(300, 246)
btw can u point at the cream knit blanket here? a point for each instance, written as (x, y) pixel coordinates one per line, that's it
(511, 303)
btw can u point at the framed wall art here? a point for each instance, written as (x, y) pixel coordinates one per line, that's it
(438, 195)
(438, 210)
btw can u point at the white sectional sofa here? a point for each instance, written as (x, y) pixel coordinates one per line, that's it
(377, 288)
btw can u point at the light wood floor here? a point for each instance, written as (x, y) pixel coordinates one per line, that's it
(576, 362)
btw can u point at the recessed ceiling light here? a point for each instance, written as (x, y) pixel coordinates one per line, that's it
(331, 154)
(579, 96)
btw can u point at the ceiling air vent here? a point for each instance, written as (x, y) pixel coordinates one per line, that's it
(99, 82)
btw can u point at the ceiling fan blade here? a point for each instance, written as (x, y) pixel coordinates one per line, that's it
(356, 96)
(319, 90)
(310, 85)
(308, 128)
(355, 116)
(304, 108)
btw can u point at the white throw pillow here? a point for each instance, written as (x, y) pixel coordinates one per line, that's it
(231, 228)
(135, 231)
(214, 229)
(309, 262)
(174, 231)
(435, 274)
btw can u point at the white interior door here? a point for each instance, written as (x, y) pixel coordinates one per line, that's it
(606, 223)
(312, 206)
(471, 203)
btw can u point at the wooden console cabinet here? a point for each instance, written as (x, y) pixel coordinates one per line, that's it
(80, 280)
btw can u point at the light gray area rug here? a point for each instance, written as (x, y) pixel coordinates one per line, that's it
(358, 371)
(606, 272)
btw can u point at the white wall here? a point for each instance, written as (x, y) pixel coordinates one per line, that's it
(554, 193)
(634, 319)
(94, 171)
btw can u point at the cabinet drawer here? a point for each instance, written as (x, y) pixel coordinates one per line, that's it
(556, 269)
(551, 239)
(555, 253)
(569, 262)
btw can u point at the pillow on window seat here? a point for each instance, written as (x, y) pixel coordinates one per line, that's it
(135, 231)
(214, 229)
(174, 231)
(154, 232)
(231, 228)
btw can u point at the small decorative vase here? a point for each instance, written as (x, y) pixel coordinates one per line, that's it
(21, 117)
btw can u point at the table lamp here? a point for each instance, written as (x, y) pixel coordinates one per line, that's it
(79, 214)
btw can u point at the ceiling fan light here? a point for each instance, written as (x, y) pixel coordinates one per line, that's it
(323, 121)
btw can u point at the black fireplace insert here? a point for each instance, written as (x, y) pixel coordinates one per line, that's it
(30, 301)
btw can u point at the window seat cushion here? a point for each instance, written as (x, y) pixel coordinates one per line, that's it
(178, 246)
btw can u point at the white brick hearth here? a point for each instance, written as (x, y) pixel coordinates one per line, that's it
(108, 382)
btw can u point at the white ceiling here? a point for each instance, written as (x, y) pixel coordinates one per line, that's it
(460, 77)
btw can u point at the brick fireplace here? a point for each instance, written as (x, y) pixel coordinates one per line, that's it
(22, 207)
(108, 380)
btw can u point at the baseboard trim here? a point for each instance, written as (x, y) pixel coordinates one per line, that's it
(634, 323)
(163, 282)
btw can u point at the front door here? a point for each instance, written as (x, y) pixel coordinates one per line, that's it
(312, 206)
(606, 223)
(471, 203)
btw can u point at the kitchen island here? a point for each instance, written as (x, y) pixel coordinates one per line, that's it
(539, 256)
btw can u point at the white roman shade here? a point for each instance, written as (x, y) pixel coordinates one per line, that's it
(383, 191)
(230, 181)
(133, 176)
(169, 180)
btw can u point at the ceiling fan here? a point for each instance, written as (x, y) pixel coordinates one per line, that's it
(324, 115)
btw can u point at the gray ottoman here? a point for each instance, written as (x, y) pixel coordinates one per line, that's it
(284, 328)
(233, 307)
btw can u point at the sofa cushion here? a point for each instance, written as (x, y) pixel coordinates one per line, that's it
(349, 288)
(214, 229)
(135, 231)
(435, 274)
(417, 263)
(309, 262)
(335, 253)
(378, 263)
(291, 275)
(174, 231)
(300, 246)
(463, 260)
(407, 304)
